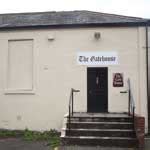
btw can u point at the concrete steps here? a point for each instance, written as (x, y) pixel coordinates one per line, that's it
(103, 141)
(101, 132)
(101, 125)
(92, 148)
(114, 130)
(100, 119)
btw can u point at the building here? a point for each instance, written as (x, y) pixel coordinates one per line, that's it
(44, 55)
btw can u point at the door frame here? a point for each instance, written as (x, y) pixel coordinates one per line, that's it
(107, 87)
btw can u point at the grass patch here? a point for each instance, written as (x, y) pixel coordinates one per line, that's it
(52, 136)
(7, 133)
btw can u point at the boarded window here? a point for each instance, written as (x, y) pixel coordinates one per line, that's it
(20, 65)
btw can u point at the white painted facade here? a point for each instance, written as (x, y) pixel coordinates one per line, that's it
(39, 67)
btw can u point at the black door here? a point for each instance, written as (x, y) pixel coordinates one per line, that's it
(97, 89)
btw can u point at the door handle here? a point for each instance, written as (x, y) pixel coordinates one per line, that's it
(97, 80)
(90, 92)
(123, 92)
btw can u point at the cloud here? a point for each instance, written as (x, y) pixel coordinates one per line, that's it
(129, 7)
(125, 7)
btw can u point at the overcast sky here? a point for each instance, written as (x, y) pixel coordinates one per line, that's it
(139, 8)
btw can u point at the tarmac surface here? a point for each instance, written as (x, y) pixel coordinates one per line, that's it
(147, 143)
(21, 144)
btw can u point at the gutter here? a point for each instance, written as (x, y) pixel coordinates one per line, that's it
(73, 25)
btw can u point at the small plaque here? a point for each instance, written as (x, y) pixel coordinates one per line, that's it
(118, 80)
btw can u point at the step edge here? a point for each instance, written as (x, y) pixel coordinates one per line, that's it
(114, 130)
(75, 122)
(100, 138)
(98, 117)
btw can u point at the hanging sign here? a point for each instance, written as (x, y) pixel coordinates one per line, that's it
(97, 58)
(118, 80)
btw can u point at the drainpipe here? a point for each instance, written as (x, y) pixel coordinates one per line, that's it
(146, 29)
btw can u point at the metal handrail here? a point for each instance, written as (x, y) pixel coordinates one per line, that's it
(71, 105)
(131, 103)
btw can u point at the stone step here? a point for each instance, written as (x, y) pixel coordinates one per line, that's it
(100, 125)
(101, 119)
(109, 115)
(92, 148)
(101, 132)
(102, 141)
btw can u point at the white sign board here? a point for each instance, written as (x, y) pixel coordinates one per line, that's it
(97, 58)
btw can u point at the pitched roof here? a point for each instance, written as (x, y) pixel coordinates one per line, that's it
(42, 19)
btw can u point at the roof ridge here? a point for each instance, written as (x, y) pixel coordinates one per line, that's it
(44, 12)
(113, 14)
(70, 18)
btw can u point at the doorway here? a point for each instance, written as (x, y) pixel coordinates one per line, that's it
(97, 89)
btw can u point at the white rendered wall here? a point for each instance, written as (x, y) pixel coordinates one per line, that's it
(55, 72)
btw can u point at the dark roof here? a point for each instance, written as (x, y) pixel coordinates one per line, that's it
(65, 18)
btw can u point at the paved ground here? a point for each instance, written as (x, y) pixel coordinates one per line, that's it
(147, 147)
(147, 143)
(20, 144)
(92, 148)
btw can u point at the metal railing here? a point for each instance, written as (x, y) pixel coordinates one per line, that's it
(131, 103)
(71, 105)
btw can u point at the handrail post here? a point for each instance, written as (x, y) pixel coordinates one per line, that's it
(69, 118)
(71, 106)
(133, 114)
(131, 105)
(129, 111)
(72, 102)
